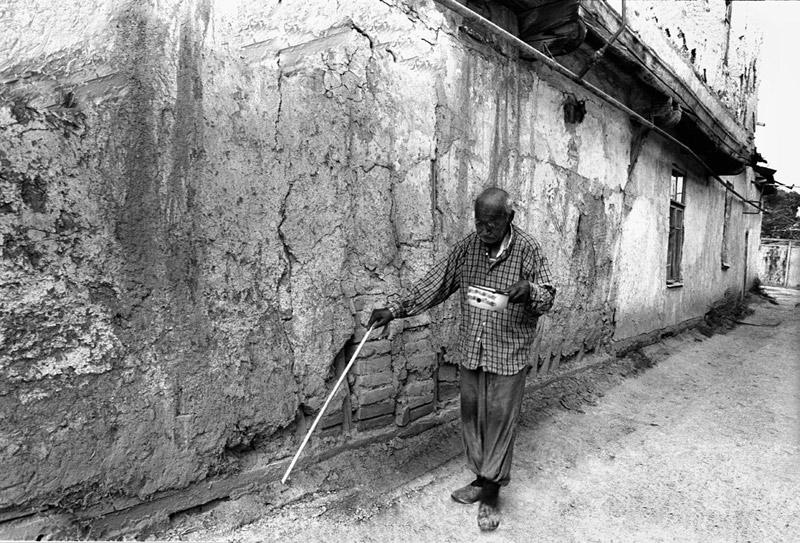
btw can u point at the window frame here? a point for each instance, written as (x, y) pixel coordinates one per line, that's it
(676, 228)
(727, 210)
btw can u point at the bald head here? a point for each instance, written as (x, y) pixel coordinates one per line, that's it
(494, 201)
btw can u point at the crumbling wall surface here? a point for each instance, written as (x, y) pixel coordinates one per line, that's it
(639, 264)
(643, 302)
(717, 38)
(202, 201)
(142, 336)
(199, 202)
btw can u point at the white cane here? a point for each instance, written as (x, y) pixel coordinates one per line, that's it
(325, 406)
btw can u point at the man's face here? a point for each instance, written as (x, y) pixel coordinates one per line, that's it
(490, 224)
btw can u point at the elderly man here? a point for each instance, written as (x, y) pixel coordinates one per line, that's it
(495, 346)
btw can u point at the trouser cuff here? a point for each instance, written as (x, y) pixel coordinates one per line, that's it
(490, 493)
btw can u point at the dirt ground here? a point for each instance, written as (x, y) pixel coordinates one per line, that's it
(693, 439)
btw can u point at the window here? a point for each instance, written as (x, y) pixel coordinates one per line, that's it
(675, 243)
(726, 219)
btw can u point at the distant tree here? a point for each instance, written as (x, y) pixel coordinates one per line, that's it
(782, 220)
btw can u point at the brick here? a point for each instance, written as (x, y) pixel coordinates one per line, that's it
(375, 395)
(421, 362)
(419, 388)
(448, 373)
(421, 411)
(377, 333)
(396, 328)
(331, 431)
(377, 422)
(403, 417)
(367, 366)
(448, 392)
(416, 401)
(402, 372)
(331, 420)
(418, 347)
(413, 336)
(420, 320)
(375, 410)
(359, 334)
(375, 379)
(398, 347)
(376, 348)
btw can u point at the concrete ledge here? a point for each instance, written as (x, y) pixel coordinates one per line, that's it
(625, 346)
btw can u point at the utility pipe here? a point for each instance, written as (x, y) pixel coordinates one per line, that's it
(602, 51)
(476, 18)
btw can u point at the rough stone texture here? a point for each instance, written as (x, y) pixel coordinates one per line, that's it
(201, 201)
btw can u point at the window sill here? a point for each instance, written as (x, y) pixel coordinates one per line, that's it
(675, 284)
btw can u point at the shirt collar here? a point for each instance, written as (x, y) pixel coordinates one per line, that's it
(509, 237)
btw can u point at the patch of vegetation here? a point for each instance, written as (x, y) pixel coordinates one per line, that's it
(782, 220)
(723, 315)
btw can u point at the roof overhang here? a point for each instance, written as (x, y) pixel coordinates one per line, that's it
(701, 121)
(765, 179)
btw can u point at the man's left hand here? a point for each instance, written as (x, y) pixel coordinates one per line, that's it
(519, 292)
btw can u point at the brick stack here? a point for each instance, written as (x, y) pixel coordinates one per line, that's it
(374, 387)
(395, 380)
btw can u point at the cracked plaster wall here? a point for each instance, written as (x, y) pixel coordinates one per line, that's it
(203, 200)
(642, 302)
(722, 45)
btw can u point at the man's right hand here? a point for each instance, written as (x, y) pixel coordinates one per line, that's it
(380, 317)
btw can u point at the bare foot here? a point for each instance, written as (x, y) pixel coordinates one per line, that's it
(488, 516)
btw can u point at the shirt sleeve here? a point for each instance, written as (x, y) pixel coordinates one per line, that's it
(434, 288)
(537, 272)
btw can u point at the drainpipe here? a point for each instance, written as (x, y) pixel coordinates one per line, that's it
(529, 50)
(600, 52)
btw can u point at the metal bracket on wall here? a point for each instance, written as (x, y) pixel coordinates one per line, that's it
(754, 203)
(600, 52)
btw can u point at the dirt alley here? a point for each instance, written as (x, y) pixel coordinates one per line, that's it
(694, 439)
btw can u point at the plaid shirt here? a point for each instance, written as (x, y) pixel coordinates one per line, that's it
(499, 341)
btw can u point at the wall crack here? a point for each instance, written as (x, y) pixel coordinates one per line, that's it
(280, 106)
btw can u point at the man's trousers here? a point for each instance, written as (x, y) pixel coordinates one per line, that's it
(490, 406)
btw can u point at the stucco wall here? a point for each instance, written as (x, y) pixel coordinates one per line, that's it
(721, 45)
(644, 303)
(203, 200)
